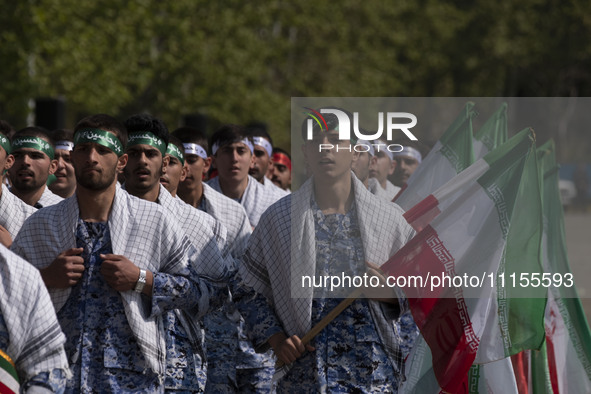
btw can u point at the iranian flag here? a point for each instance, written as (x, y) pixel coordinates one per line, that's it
(8, 377)
(474, 229)
(493, 133)
(493, 377)
(564, 366)
(452, 154)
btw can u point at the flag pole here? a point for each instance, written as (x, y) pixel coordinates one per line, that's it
(280, 368)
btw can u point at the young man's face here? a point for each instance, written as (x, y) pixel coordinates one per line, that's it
(329, 163)
(281, 175)
(96, 166)
(381, 167)
(144, 168)
(233, 162)
(260, 163)
(174, 173)
(195, 167)
(405, 166)
(30, 170)
(65, 180)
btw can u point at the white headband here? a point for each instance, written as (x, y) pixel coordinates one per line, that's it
(383, 147)
(260, 141)
(245, 141)
(195, 149)
(411, 152)
(65, 145)
(371, 151)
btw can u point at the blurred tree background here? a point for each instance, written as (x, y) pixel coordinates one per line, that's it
(241, 61)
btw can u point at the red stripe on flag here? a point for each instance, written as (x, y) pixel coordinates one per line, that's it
(521, 371)
(450, 339)
(423, 213)
(552, 365)
(440, 313)
(551, 353)
(421, 258)
(5, 389)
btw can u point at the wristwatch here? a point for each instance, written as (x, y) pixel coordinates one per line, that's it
(141, 282)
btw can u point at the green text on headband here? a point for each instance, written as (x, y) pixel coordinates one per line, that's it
(101, 137)
(146, 138)
(36, 143)
(174, 150)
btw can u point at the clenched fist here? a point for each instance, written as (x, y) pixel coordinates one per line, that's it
(65, 271)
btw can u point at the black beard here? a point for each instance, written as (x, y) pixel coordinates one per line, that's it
(101, 184)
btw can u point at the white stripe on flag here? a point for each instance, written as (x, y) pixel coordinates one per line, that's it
(8, 380)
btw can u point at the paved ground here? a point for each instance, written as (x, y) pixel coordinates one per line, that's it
(578, 243)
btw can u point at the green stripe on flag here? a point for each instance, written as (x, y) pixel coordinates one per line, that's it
(526, 304)
(540, 375)
(503, 179)
(468, 112)
(457, 140)
(493, 132)
(474, 379)
(516, 193)
(512, 149)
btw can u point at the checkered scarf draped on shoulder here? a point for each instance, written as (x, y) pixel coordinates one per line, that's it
(36, 339)
(232, 215)
(285, 236)
(208, 236)
(255, 200)
(140, 230)
(48, 198)
(13, 212)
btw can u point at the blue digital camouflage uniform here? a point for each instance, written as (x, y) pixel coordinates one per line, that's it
(254, 371)
(220, 338)
(349, 356)
(220, 342)
(180, 357)
(186, 364)
(54, 380)
(102, 350)
(408, 332)
(233, 364)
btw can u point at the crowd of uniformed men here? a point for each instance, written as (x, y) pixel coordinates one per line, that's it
(169, 258)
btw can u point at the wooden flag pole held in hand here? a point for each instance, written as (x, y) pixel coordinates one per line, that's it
(280, 368)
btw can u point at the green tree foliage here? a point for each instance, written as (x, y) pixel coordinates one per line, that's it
(240, 61)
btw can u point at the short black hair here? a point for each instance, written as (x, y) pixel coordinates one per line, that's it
(145, 122)
(191, 135)
(104, 122)
(6, 128)
(258, 130)
(229, 134)
(422, 148)
(62, 135)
